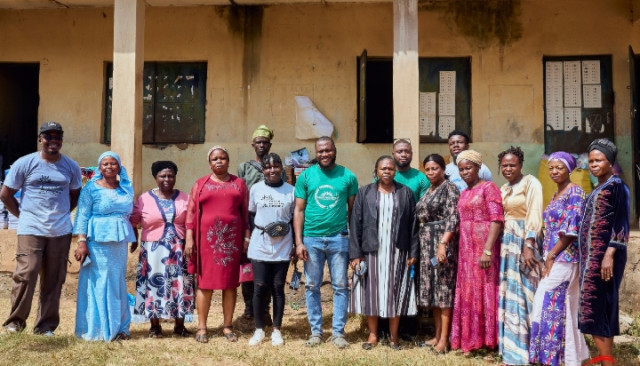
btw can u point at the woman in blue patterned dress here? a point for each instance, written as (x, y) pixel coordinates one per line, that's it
(604, 233)
(554, 337)
(164, 288)
(103, 229)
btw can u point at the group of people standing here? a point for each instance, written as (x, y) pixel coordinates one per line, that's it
(497, 270)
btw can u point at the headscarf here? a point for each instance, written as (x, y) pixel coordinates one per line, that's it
(125, 182)
(471, 155)
(567, 159)
(262, 131)
(217, 147)
(606, 147)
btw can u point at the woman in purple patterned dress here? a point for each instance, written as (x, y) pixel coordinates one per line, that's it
(604, 233)
(555, 339)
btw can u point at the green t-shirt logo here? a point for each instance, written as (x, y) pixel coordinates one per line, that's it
(326, 197)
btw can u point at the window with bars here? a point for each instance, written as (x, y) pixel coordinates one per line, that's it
(174, 98)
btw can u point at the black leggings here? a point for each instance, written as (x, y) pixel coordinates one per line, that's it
(268, 277)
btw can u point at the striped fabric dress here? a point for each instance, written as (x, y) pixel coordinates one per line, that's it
(386, 290)
(522, 204)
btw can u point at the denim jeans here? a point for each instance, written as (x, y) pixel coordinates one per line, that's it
(335, 251)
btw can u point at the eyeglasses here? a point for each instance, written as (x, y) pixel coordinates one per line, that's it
(49, 137)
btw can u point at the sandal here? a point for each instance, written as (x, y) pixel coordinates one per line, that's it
(395, 346)
(122, 337)
(182, 331)
(155, 332)
(200, 337)
(368, 345)
(231, 336)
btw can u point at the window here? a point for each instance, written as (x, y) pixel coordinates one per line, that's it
(174, 97)
(444, 94)
(578, 101)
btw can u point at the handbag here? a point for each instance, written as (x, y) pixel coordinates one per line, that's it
(246, 272)
(275, 229)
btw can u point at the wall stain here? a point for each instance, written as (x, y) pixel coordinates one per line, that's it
(245, 22)
(484, 22)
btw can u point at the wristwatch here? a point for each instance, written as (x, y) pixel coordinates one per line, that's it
(487, 252)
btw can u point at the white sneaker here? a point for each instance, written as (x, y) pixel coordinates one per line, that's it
(258, 336)
(276, 338)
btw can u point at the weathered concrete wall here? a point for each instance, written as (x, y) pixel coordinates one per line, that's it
(630, 289)
(259, 58)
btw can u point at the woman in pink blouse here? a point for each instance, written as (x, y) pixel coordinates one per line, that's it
(164, 288)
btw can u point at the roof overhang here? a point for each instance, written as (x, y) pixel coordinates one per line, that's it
(63, 4)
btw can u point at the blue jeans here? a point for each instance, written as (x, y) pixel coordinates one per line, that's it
(335, 251)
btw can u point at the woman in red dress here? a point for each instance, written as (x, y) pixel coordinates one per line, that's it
(217, 235)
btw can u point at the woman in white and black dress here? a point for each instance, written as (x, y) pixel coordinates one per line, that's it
(382, 235)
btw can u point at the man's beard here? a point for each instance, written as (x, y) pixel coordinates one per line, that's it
(403, 165)
(333, 161)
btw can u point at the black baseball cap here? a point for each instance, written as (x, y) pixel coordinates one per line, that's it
(51, 126)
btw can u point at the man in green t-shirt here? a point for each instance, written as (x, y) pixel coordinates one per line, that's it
(324, 197)
(413, 178)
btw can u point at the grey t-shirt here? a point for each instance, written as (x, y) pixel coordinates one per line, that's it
(271, 204)
(44, 205)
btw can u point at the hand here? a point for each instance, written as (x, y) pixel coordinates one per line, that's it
(485, 261)
(411, 261)
(301, 252)
(134, 246)
(548, 263)
(81, 252)
(529, 259)
(356, 263)
(188, 247)
(606, 268)
(245, 246)
(441, 253)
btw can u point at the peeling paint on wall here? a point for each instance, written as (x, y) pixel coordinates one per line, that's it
(484, 22)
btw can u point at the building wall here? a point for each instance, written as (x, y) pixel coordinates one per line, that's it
(259, 58)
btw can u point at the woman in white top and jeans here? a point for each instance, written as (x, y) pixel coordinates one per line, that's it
(270, 248)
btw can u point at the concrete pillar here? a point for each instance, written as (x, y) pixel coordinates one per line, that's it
(406, 115)
(128, 66)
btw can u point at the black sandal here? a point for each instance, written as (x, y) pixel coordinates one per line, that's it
(182, 331)
(231, 336)
(202, 338)
(155, 331)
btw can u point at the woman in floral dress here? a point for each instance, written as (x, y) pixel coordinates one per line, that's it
(437, 214)
(164, 288)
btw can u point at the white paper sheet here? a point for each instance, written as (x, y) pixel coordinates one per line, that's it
(553, 71)
(572, 118)
(427, 103)
(446, 125)
(428, 125)
(448, 82)
(427, 113)
(555, 118)
(572, 95)
(592, 95)
(591, 72)
(571, 72)
(446, 104)
(553, 96)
